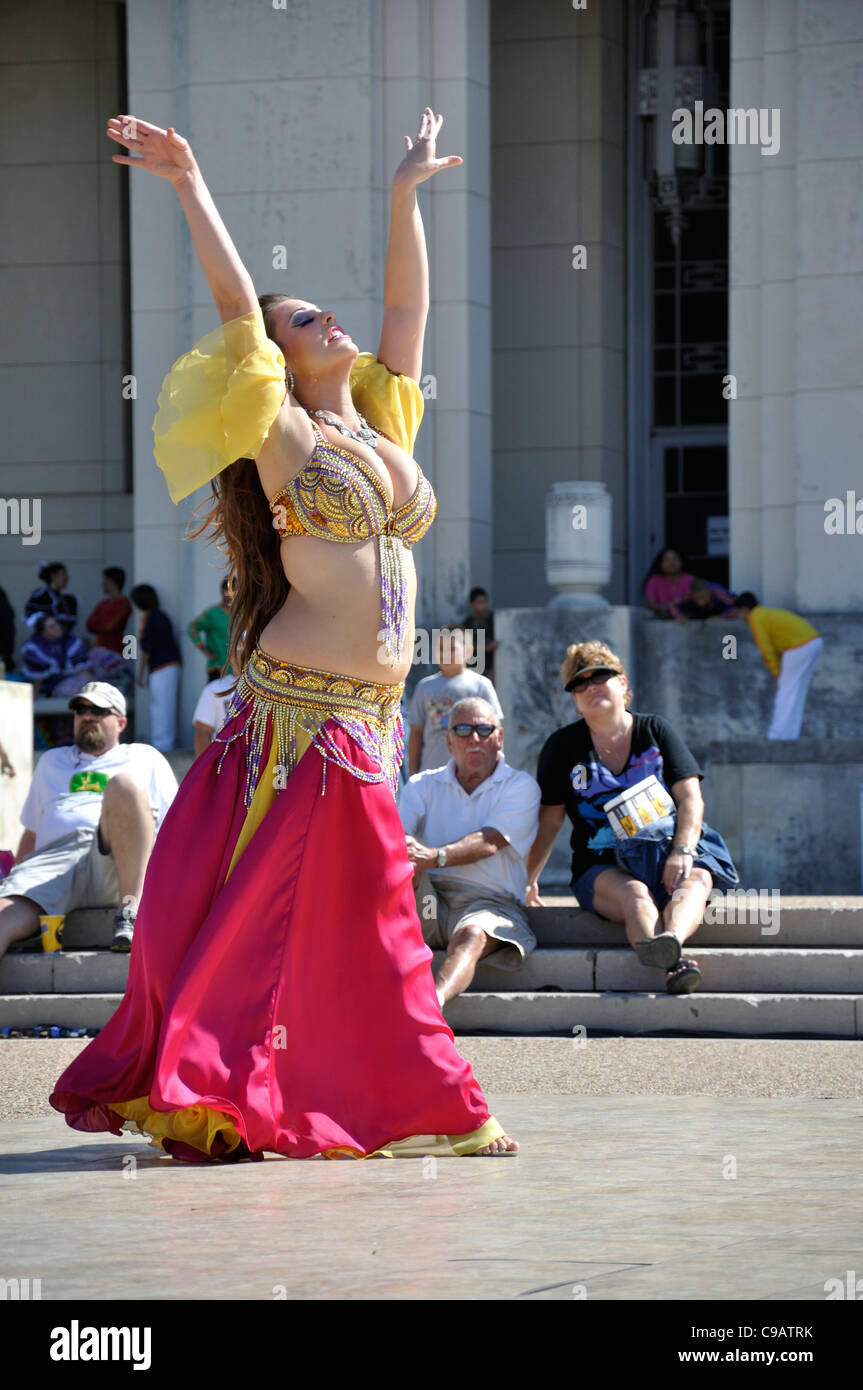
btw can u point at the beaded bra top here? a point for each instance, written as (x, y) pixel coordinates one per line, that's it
(338, 496)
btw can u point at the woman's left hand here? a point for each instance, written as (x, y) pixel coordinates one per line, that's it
(420, 162)
(677, 870)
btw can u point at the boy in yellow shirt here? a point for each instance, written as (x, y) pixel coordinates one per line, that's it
(791, 649)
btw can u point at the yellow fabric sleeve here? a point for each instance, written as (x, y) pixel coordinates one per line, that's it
(391, 402)
(217, 403)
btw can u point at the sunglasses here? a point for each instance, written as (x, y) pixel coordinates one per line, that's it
(91, 709)
(465, 730)
(597, 678)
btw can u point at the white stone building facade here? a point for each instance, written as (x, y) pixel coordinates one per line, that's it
(535, 371)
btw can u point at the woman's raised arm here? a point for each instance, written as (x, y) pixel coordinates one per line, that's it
(169, 156)
(406, 278)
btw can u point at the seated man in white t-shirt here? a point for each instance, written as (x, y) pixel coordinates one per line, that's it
(469, 826)
(89, 820)
(209, 713)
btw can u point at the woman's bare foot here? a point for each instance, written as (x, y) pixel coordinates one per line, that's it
(503, 1145)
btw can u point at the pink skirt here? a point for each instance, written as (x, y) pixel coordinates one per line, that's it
(280, 997)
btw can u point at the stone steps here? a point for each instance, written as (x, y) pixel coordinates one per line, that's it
(725, 970)
(806, 979)
(548, 1014)
(64, 972)
(801, 921)
(729, 1015)
(810, 921)
(64, 1010)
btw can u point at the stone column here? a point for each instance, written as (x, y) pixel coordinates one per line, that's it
(296, 117)
(458, 341)
(559, 234)
(796, 301)
(63, 323)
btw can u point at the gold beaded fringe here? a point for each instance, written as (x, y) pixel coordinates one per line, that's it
(301, 698)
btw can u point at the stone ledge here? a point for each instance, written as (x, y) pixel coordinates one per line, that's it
(726, 969)
(550, 1014)
(746, 970)
(823, 921)
(732, 1015)
(800, 751)
(65, 1010)
(803, 921)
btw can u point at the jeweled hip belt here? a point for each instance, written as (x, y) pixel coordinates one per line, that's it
(304, 698)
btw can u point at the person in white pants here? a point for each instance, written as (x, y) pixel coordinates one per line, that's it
(791, 649)
(164, 686)
(159, 665)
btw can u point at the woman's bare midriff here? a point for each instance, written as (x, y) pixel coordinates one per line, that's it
(332, 616)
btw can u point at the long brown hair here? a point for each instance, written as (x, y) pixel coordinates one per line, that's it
(241, 525)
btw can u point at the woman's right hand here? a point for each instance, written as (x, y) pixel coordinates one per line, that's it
(160, 152)
(532, 897)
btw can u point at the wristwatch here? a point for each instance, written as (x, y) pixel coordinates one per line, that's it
(441, 858)
(683, 849)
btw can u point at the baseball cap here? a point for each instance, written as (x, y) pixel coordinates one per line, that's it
(102, 695)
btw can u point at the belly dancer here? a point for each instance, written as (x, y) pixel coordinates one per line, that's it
(279, 996)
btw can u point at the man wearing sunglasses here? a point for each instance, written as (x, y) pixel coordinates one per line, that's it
(90, 817)
(468, 827)
(434, 697)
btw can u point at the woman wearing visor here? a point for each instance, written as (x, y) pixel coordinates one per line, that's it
(639, 764)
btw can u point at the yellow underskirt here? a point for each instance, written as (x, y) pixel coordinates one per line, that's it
(198, 1125)
(264, 795)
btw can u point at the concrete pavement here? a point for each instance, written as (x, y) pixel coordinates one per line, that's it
(611, 1198)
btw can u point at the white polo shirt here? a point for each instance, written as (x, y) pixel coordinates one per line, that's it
(435, 808)
(68, 787)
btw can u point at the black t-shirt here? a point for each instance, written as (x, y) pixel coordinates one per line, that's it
(570, 774)
(158, 640)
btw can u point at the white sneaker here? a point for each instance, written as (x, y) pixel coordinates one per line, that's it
(124, 924)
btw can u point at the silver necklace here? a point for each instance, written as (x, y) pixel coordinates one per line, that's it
(364, 436)
(609, 746)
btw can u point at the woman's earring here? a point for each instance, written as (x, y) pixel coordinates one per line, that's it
(289, 379)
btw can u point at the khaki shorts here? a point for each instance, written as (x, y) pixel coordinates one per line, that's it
(70, 872)
(441, 913)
